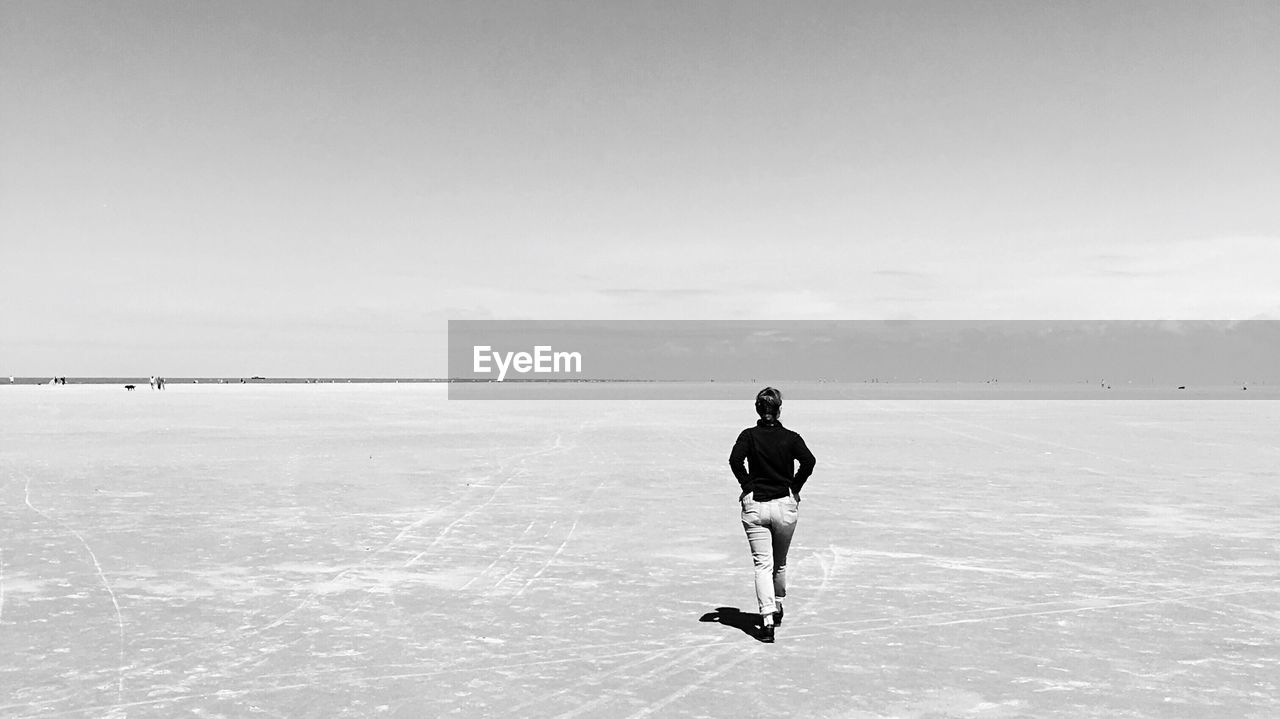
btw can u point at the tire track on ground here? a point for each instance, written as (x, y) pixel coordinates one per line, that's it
(244, 636)
(691, 687)
(250, 662)
(887, 624)
(102, 577)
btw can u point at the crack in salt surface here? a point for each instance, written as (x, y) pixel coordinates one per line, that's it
(97, 566)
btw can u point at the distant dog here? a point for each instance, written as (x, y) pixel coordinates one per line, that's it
(129, 387)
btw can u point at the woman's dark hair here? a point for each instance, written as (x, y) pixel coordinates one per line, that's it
(769, 403)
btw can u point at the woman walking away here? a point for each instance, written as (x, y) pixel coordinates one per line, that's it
(770, 499)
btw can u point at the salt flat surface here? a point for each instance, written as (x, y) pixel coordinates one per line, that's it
(377, 550)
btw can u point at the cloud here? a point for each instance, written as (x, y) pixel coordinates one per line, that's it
(1113, 272)
(646, 294)
(903, 274)
(769, 337)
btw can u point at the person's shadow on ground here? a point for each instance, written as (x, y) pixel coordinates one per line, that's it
(749, 624)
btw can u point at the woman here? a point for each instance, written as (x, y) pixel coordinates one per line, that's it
(770, 499)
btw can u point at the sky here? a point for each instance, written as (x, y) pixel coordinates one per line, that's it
(301, 189)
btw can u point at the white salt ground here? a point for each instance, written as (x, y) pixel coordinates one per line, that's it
(377, 550)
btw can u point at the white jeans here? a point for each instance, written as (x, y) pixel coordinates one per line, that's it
(769, 527)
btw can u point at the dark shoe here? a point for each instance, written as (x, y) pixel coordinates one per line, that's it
(777, 617)
(766, 634)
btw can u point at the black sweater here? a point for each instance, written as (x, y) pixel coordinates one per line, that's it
(770, 451)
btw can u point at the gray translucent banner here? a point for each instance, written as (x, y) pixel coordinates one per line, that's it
(924, 359)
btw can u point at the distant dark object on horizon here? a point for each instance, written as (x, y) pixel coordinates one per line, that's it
(130, 387)
(1182, 386)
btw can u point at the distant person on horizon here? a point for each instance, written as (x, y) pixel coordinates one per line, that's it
(770, 499)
